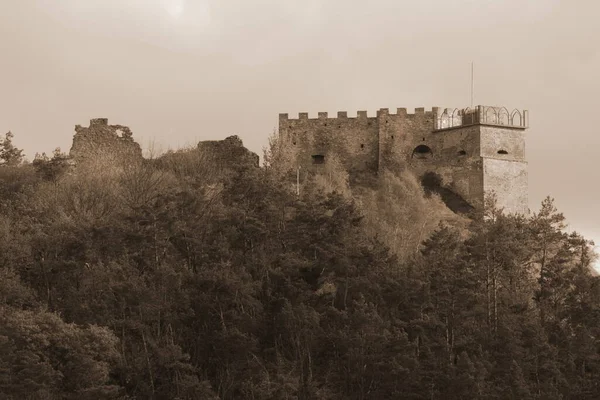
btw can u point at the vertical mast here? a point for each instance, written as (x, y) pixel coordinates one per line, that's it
(472, 84)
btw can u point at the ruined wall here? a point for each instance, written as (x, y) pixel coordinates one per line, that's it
(228, 153)
(103, 140)
(354, 141)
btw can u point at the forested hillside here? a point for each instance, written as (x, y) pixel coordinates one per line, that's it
(172, 279)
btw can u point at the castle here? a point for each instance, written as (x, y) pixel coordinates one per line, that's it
(472, 152)
(469, 152)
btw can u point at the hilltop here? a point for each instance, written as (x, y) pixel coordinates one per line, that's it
(200, 274)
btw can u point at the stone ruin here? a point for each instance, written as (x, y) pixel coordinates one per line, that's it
(103, 140)
(229, 152)
(114, 143)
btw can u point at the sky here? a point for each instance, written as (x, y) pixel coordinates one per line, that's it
(180, 71)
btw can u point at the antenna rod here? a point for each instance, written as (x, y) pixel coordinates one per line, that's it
(472, 84)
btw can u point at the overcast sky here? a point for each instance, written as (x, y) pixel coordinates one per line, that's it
(178, 71)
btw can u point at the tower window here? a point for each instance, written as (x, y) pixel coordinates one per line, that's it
(422, 152)
(462, 153)
(318, 159)
(362, 146)
(502, 152)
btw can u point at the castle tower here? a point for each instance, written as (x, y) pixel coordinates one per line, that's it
(483, 152)
(468, 152)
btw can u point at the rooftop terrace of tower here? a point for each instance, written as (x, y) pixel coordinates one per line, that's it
(482, 115)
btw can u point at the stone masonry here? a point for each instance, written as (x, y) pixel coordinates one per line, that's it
(103, 140)
(115, 144)
(229, 152)
(473, 152)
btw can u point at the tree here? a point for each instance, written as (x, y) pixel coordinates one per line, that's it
(51, 169)
(9, 154)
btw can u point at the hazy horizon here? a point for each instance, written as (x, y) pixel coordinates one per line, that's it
(177, 72)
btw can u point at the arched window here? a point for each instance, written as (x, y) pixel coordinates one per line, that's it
(502, 152)
(462, 153)
(422, 152)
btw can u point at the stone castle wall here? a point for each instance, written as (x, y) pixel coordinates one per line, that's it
(473, 152)
(354, 140)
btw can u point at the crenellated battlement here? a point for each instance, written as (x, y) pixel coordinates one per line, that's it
(303, 116)
(402, 112)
